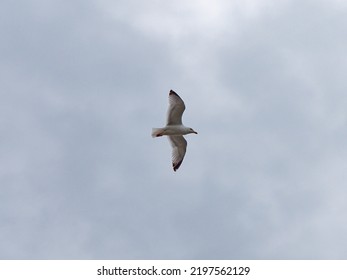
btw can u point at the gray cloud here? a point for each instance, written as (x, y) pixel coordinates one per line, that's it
(84, 82)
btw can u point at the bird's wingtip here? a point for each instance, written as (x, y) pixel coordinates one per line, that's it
(172, 92)
(176, 165)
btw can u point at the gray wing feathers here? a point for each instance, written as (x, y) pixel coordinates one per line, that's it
(176, 109)
(179, 146)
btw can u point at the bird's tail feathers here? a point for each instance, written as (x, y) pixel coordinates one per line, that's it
(156, 132)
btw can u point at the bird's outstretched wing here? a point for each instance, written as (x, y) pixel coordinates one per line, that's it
(176, 109)
(179, 146)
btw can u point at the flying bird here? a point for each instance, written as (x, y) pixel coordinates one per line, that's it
(174, 129)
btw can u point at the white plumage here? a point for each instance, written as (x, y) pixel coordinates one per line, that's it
(174, 129)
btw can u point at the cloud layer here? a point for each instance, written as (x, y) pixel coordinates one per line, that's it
(84, 82)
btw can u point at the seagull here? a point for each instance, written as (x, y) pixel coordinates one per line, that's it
(174, 129)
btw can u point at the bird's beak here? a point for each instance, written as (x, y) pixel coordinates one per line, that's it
(195, 132)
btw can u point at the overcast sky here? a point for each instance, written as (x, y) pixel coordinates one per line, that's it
(82, 84)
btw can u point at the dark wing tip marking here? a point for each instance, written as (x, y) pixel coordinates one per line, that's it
(177, 165)
(172, 92)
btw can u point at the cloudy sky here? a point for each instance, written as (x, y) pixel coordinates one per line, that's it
(82, 84)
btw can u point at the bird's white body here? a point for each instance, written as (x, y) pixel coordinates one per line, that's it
(171, 130)
(174, 129)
